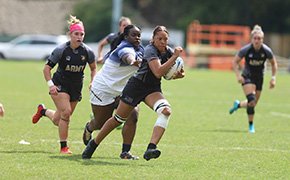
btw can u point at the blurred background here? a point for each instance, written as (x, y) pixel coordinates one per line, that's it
(211, 32)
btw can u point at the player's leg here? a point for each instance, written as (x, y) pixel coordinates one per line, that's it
(122, 113)
(128, 133)
(101, 115)
(65, 109)
(160, 105)
(250, 92)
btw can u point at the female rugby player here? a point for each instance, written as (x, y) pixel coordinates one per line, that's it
(108, 84)
(145, 86)
(66, 84)
(255, 54)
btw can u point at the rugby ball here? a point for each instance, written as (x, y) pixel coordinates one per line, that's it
(177, 66)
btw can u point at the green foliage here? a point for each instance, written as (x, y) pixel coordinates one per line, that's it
(96, 16)
(272, 15)
(202, 140)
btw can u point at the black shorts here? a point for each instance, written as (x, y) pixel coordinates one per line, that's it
(73, 89)
(136, 91)
(257, 80)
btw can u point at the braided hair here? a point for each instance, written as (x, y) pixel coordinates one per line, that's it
(125, 33)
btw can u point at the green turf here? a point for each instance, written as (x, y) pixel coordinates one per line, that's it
(202, 140)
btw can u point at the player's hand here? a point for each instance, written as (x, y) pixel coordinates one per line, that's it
(179, 74)
(90, 85)
(178, 50)
(53, 90)
(136, 63)
(272, 83)
(241, 79)
(100, 60)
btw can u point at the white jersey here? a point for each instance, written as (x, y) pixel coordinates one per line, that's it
(112, 78)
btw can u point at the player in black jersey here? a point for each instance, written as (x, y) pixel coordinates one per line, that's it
(112, 38)
(255, 54)
(145, 86)
(66, 84)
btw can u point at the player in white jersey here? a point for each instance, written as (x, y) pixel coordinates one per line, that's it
(108, 84)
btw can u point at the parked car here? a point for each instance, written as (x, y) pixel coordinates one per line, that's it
(31, 46)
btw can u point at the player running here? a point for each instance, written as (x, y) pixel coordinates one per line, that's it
(66, 84)
(108, 84)
(255, 54)
(145, 86)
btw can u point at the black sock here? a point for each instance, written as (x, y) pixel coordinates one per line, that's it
(63, 144)
(126, 148)
(42, 112)
(151, 146)
(93, 144)
(250, 122)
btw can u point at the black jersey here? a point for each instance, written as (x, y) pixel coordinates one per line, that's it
(71, 63)
(255, 59)
(151, 52)
(112, 39)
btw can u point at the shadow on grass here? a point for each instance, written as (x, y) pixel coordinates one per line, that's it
(34, 152)
(96, 160)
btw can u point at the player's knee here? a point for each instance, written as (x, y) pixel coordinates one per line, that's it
(66, 114)
(166, 111)
(250, 110)
(251, 99)
(133, 118)
(162, 108)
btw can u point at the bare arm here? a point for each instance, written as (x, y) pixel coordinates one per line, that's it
(159, 69)
(235, 64)
(100, 49)
(130, 59)
(94, 71)
(47, 75)
(274, 70)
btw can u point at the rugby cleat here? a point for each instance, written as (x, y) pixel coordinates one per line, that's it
(65, 150)
(235, 107)
(128, 155)
(37, 115)
(252, 128)
(90, 149)
(87, 136)
(151, 153)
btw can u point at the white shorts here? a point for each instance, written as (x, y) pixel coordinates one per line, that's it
(101, 94)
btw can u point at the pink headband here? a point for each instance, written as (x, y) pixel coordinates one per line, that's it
(75, 27)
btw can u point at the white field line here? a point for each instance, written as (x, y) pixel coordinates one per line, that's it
(280, 114)
(198, 147)
(255, 149)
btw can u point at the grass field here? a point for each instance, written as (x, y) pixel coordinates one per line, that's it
(202, 140)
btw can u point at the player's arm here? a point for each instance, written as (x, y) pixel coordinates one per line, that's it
(274, 69)
(100, 49)
(235, 64)
(94, 70)
(130, 59)
(47, 76)
(159, 69)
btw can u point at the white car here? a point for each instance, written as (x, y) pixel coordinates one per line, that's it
(31, 46)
